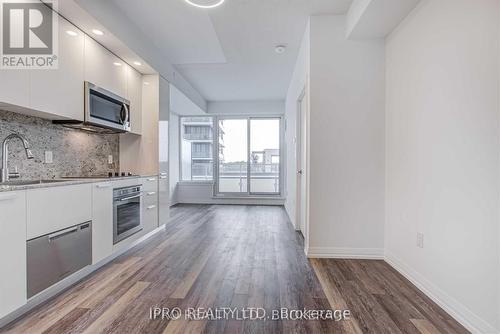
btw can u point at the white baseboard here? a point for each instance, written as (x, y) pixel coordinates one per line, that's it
(345, 253)
(454, 308)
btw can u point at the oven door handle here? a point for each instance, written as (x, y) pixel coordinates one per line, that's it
(132, 197)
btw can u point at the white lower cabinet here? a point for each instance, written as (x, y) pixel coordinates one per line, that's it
(163, 199)
(12, 251)
(150, 203)
(56, 208)
(102, 221)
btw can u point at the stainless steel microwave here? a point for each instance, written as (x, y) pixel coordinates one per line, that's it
(106, 109)
(104, 112)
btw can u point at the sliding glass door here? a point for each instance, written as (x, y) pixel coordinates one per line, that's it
(233, 156)
(265, 156)
(249, 156)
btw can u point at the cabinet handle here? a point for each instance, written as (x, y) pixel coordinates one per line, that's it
(152, 179)
(151, 207)
(163, 177)
(62, 233)
(163, 173)
(103, 186)
(7, 197)
(151, 193)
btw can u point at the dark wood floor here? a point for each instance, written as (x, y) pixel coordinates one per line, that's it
(237, 257)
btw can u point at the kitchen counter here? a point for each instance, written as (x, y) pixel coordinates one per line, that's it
(62, 182)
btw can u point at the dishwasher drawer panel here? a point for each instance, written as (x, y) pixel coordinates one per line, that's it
(55, 256)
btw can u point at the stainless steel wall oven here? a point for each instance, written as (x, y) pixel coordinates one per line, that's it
(127, 220)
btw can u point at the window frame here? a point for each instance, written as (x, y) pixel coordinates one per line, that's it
(215, 156)
(216, 149)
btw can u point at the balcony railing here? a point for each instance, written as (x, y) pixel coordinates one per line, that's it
(201, 155)
(264, 178)
(198, 136)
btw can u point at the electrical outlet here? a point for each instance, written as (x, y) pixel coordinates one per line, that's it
(420, 240)
(110, 159)
(48, 157)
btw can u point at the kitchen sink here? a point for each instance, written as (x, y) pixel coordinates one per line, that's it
(29, 182)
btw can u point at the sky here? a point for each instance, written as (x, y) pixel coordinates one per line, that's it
(264, 134)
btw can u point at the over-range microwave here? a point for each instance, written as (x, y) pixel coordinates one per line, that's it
(104, 112)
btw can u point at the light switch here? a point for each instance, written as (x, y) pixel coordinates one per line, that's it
(48, 157)
(110, 159)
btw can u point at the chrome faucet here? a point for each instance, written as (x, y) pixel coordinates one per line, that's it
(6, 175)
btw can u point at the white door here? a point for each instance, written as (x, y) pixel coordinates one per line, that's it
(301, 214)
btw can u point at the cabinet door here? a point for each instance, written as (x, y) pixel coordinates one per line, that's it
(134, 88)
(164, 191)
(12, 251)
(57, 208)
(14, 87)
(163, 199)
(102, 221)
(60, 92)
(150, 211)
(104, 69)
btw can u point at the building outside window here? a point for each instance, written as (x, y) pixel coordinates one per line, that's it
(197, 136)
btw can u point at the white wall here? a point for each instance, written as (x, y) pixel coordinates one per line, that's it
(174, 157)
(347, 142)
(182, 105)
(246, 108)
(297, 86)
(443, 155)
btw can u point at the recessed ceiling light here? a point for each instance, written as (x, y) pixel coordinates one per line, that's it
(71, 33)
(98, 32)
(138, 63)
(205, 3)
(280, 49)
(117, 64)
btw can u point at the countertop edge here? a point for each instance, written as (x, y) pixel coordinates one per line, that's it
(69, 182)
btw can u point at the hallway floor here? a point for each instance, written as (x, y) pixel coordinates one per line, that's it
(235, 257)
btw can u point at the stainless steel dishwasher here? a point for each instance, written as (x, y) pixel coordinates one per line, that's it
(55, 256)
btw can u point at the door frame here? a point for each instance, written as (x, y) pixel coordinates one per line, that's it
(302, 115)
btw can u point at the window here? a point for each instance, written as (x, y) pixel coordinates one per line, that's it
(197, 148)
(247, 149)
(249, 156)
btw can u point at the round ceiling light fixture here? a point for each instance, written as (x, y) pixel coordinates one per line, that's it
(207, 4)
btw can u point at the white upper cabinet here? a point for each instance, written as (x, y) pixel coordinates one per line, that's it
(104, 69)
(14, 87)
(60, 92)
(134, 85)
(12, 251)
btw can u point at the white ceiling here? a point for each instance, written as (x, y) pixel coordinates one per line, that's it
(227, 53)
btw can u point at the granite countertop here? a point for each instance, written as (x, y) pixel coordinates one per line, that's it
(62, 182)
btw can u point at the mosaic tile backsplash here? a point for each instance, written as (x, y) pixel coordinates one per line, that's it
(75, 152)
